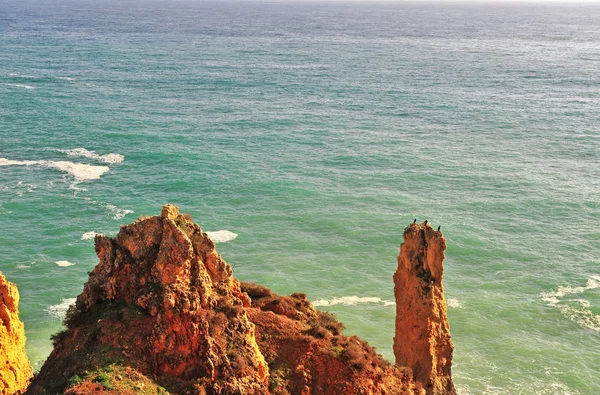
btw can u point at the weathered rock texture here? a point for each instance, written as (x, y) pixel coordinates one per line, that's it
(422, 340)
(162, 301)
(161, 313)
(15, 370)
(308, 354)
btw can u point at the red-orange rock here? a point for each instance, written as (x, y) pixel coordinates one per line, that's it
(308, 353)
(162, 309)
(15, 370)
(163, 301)
(422, 340)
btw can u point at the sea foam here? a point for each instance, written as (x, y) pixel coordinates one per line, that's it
(116, 212)
(84, 153)
(454, 303)
(59, 310)
(19, 85)
(80, 171)
(352, 301)
(221, 236)
(578, 310)
(88, 236)
(64, 263)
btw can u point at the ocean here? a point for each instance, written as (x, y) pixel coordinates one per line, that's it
(308, 136)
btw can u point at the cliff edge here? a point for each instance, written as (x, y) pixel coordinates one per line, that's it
(15, 370)
(422, 341)
(162, 313)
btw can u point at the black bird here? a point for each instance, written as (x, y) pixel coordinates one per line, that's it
(425, 222)
(415, 221)
(439, 228)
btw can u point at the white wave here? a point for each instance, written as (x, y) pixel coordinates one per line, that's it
(454, 303)
(8, 162)
(80, 171)
(19, 85)
(221, 236)
(576, 309)
(88, 236)
(553, 298)
(59, 310)
(84, 153)
(352, 301)
(582, 316)
(115, 212)
(26, 76)
(66, 78)
(17, 75)
(64, 263)
(583, 302)
(23, 267)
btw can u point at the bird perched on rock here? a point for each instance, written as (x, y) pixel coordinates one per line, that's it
(415, 221)
(439, 228)
(425, 222)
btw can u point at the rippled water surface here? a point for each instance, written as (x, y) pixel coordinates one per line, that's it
(306, 137)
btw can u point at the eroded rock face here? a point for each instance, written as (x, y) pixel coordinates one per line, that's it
(422, 341)
(15, 370)
(309, 355)
(162, 311)
(163, 301)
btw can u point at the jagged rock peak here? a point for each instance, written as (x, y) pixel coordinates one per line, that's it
(163, 301)
(15, 370)
(422, 341)
(161, 263)
(170, 211)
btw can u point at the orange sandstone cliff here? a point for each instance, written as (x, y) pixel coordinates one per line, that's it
(163, 303)
(422, 341)
(161, 313)
(15, 370)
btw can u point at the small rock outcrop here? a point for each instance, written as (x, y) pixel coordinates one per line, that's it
(15, 370)
(309, 355)
(422, 341)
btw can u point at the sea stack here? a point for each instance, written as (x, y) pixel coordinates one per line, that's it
(15, 370)
(422, 340)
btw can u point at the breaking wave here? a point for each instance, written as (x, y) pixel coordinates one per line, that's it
(80, 171)
(84, 153)
(352, 301)
(576, 309)
(59, 310)
(221, 236)
(116, 212)
(64, 263)
(454, 303)
(19, 85)
(88, 236)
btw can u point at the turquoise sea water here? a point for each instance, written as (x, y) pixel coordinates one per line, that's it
(316, 132)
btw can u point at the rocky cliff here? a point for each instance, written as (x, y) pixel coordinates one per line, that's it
(15, 370)
(422, 341)
(162, 313)
(162, 302)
